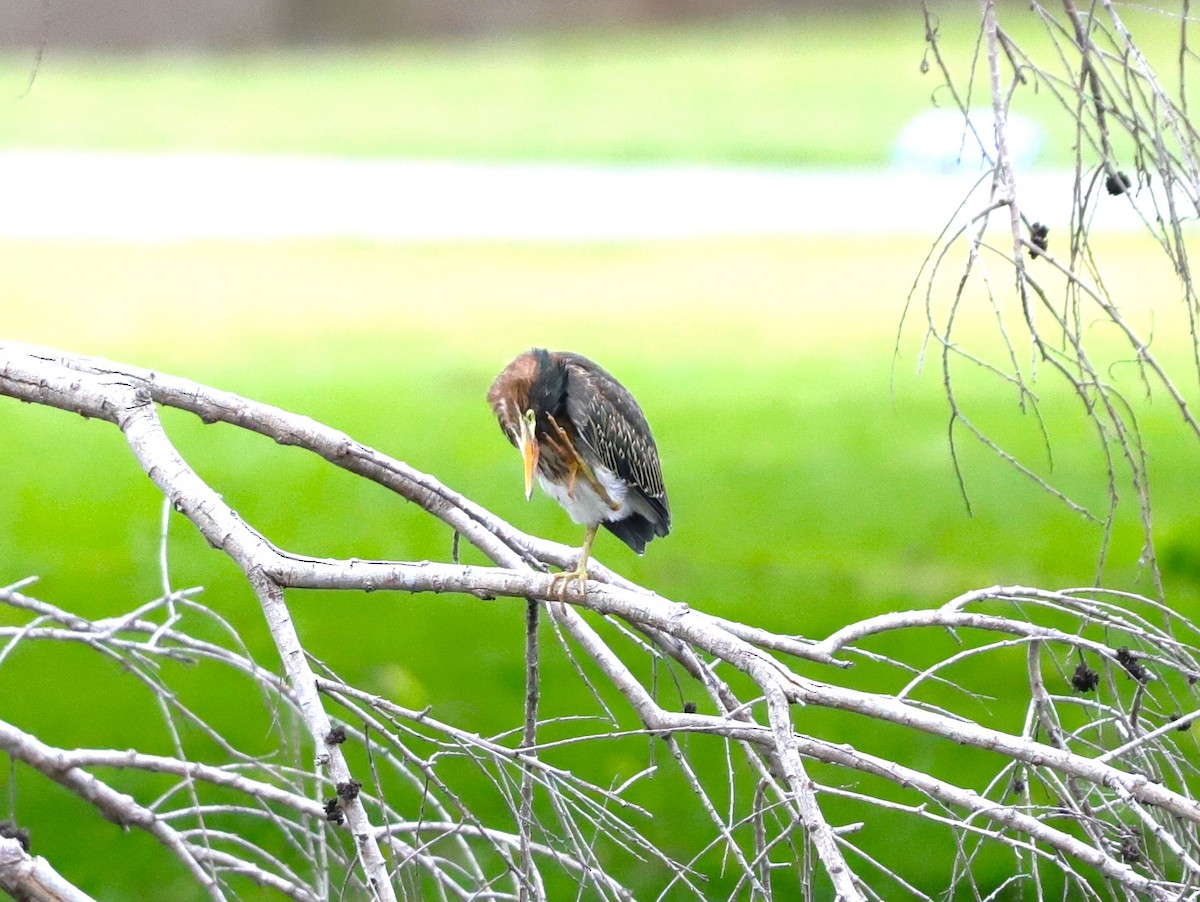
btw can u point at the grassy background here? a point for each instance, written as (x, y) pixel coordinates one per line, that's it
(810, 481)
(758, 92)
(810, 485)
(818, 90)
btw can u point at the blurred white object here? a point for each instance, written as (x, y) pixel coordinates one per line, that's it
(184, 197)
(945, 141)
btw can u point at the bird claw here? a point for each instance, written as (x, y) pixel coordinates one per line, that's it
(564, 579)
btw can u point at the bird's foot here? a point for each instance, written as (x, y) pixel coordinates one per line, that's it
(564, 579)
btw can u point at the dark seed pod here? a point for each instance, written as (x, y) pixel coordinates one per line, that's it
(333, 811)
(1039, 238)
(1084, 679)
(1131, 850)
(336, 736)
(1117, 182)
(1132, 665)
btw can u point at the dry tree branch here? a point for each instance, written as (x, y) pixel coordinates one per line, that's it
(30, 879)
(1112, 768)
(279, 795)
(1135, 148)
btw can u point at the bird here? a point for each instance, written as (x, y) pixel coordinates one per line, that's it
(584, 437)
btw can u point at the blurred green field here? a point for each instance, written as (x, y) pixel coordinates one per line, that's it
(810, 484)
(759, 91)
(814, 90)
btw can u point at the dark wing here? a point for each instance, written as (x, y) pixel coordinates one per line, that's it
(635, 530)
(614, 432)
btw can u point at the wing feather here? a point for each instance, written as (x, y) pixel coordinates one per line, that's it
(614, 430)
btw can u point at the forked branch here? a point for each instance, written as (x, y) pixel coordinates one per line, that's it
(1109, 687)
(1030, 306)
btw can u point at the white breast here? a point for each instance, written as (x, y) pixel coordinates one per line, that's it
(583, 504)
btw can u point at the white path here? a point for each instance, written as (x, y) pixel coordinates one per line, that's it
(131, 197)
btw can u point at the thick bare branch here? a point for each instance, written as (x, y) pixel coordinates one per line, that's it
(30, 879)
(1077, 622)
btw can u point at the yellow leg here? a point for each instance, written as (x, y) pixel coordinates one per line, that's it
(579, 465)
(579, 574)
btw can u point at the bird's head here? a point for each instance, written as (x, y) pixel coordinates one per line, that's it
(528, 388)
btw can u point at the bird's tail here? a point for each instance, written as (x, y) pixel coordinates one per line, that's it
(635, 531)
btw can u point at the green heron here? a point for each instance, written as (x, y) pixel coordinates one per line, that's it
(587, 440)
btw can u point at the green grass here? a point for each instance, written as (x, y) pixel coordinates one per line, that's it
(757, 92)
(809, 486)
(814, 90)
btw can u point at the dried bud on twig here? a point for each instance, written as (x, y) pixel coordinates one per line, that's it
(1039, 238)
(1132, 665)
(333, 811)
(336, 736)
(1117, 182)
(1084, 679)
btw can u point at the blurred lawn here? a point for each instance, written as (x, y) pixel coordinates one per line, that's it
(756, 92)
(813, 90)
(807, 488)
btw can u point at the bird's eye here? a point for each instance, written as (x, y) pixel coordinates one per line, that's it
(530, 418)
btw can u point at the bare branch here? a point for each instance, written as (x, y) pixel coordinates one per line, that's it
(29, 879)
(1117, 763)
